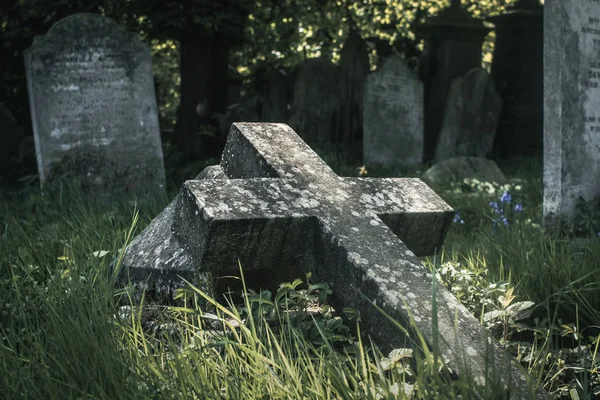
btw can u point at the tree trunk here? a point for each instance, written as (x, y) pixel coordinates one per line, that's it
(204, 74)
(195, 75)
(220, 75)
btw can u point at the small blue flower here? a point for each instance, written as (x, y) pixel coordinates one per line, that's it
(506, 197)
(457, 218)
(518, 208)
(494, 205)
(504, 220)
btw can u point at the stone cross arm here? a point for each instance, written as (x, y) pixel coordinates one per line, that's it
(279, 215)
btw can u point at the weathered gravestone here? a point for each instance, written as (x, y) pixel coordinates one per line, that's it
(93, 107)
(571, 106)
(471, 117)
(283, 209)
(393, 116)
(315, 101)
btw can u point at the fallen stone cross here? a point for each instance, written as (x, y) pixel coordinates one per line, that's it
(275, 206)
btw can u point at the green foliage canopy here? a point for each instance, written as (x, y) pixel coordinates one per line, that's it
(279, 33)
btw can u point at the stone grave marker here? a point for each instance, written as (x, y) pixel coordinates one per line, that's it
(571, 106)
(93, 107)
(315, 101)
(283, 210)
(393, 116)
(471, 117)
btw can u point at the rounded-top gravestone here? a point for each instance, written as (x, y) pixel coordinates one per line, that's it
(93, 107)
(471, 117)
(393, 116)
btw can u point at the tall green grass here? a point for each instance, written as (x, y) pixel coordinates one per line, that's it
(67, 332)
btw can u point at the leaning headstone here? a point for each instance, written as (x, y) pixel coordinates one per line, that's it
(471, 117)
(93, 107)
(571, 106)
(315, 101)
(393, 116)
(284, 210)
(354, 67)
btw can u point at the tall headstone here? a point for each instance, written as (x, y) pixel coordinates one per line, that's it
(571, 106)
(516, 72)
(393, 116)
(354, 67)
(315, 101)
(471, 117)
(453, 41)
(93, 107)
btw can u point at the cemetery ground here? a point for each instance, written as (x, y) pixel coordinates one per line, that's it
(67, 331)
